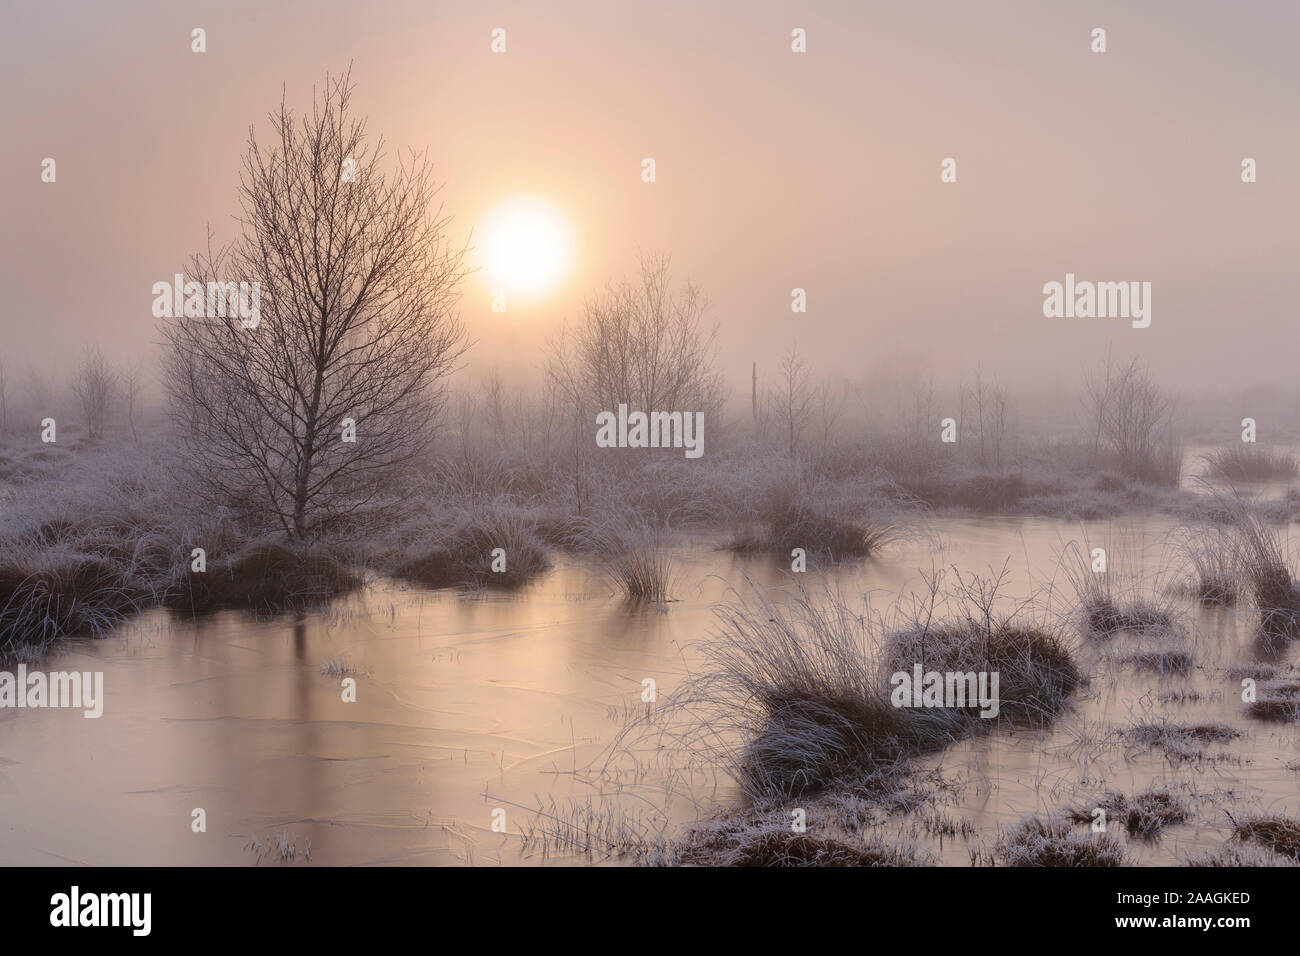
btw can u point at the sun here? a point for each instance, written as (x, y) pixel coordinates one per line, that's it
(527, 247)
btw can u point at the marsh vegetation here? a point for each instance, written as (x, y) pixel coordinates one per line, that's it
(698, 660)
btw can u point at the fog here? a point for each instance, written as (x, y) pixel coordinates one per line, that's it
(848, 434)
(775, 171)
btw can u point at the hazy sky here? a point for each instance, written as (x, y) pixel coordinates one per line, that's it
(775, 170)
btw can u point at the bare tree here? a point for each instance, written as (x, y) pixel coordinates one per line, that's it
(830, 407)
(643, 345)
(793, 400)
(4, 403)
(132, 377)
(356, 327)
(923, 419)
(95, 386)
(494, 397)
(1132, 419)
(38, 391)
(990, 403)
(997, 423)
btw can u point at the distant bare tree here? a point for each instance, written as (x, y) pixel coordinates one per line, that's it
(132, 377)
(793, 400)
(643, 345)
(923, 422)
(990, 403)
(830, 402)
(95, 386)
(551, 413)
(463, 408)
(357, 321)
(997, 415)
(1132, 419)
(4, 403)
(494, 395)
(38, 391)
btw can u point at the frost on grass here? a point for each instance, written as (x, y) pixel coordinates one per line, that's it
(766, 838)
(280, 846)
(635, 558)
(1214, 578)
(594, 828)
(1163, 661)
(784, 848)
(1044, 842)
(266, 577)
(1261, 558)
(1181, 743)
(1107, 618)
(795, 692)
(1277, 701)
(1144, 815)
(462, 555)
(338, 667)
(1106, 609)
(1230, 855)
(819, 533)
(1240, 461)
(793, 699)
(1276, 833)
